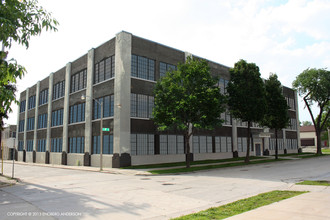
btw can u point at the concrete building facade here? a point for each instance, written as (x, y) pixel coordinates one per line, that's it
(56, 126)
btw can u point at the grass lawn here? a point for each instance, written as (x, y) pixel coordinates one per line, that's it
(326, 151)
(241, 206)
(208, 167)
(317, 183)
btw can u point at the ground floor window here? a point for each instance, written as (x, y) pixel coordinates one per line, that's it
(142, 144)
(56, 145)
(202, 144)
(20, 145)
(77, 145)
(171, 144)
(272, 144)
(29, 146)
(222, 144)
(107, 144)
(41, 145)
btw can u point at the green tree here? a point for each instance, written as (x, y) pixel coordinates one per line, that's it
(19, 21)
(277, 116)
(187, 99)
(313, 86)
(246, 98)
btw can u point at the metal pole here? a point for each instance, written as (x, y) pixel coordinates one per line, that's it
(101, 130)
(14, 149)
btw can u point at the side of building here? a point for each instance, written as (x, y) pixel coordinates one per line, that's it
(56, 126)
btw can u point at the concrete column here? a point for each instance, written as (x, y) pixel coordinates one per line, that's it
(89, 102)
(36, 110)
(234, 135)
(284, 140)
(26, 117)
(122, 90)
(49, 111)
(297, 119)
(66, 107)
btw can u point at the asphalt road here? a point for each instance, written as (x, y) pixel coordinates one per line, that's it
(54, 193)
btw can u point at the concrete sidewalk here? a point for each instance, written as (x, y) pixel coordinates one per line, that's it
(312, 206)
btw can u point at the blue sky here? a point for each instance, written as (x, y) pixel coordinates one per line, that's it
(282, 37)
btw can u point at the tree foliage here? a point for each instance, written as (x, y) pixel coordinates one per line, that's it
(188, 98)
(313, 85)
(277, 116)
(246, 98)
(19, 21)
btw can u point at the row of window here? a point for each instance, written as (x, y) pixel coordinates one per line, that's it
(41, 147)
(171, 144)
(222, 144)
(142, 144)
(104, 69)
(141, 105)
(293, 124)
(21, 125)
(242, 144)
(202, 144)
(290, 144)
(32, 102)
(77, 113)
(291, 103)
(108, 107)
(56, 144)
(42, 121)
(29, 145)
(43, 97)
(58, 90)
(142, 67)
(79, 81)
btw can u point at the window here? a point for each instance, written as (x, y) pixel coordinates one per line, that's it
(32, 102)
(141, 105)
(202, 144)
(293, 124)
(30, 125)
(78, 81)
(171, 144)
(77, 145)
(21, 125)
(56, 145)
(108, 103)
(43, 97)
(29, 146)
(42, 121)
(223, 85)
(107, 144)
(77, 113)
(221, 144)
(143, 67)
(58, 90)
(104, 69)
(164, 68)
(142, 144)
(20, 145)
(22, 106)
(41, 145)
(57, 117)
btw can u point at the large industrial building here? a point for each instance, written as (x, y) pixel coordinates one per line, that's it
(57, 126)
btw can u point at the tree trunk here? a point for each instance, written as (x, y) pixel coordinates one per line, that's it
(276, 146)
(187, 149)
(247, 157)
(318, 142)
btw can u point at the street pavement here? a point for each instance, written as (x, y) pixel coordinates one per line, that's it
(56, 192)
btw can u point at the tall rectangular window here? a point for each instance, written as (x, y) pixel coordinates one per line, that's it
(30, 125)
(57, 117)
(56, 144)
(20, 145)
(108, 107)
(21, 125)
(29, 146)
(42, 121)
(107, 144)
(41, 147)
(43, 97)
(77, 113)
(142, 67)
(142, 144)
(105, 69)
(171, 144)
(22, 106)
(78, 81)
(32, 102)
(58, 90)
(77, 145)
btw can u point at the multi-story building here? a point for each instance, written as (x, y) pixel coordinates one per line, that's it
(8, 139)
(57, 126)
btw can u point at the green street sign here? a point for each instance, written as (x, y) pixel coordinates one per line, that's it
(106, 129)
